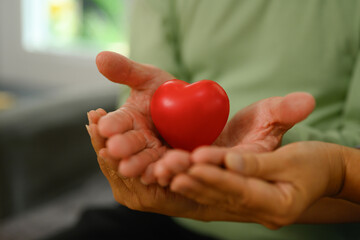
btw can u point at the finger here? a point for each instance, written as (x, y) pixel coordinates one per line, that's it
(95, 115)
(136, 165)
(173, 162)
(195, 190)
(120, 69)
(110, 162)
(177, 160)
(255, 147)
(162, 174)
(243, 193)
(101, 112)
(209, 154)
(97, 141)
(116, 181)
(115, 122)
(268, 166)
(92, 117)
(216, 177)
(292, 108)
(148, 177)
(127, 144)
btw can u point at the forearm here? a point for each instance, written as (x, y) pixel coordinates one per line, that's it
(331, 210)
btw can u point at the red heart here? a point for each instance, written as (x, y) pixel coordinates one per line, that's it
(189, 115)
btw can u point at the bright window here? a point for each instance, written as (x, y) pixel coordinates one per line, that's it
(76, 27)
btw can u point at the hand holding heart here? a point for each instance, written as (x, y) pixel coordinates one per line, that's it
(256, 128)
(125, 142)
(128, 145)
(133, 144)
(131, 193)
(216, 183)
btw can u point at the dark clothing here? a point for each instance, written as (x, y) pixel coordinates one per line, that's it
(123, 223)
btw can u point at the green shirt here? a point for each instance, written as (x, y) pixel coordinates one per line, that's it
(258, 49)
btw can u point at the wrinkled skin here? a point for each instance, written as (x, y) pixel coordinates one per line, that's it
(130, 151)
(274, 189)
(134, 148)
(132, 193)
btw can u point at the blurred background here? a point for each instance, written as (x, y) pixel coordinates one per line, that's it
(48, 82)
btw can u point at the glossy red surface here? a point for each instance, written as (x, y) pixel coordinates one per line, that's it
(189, 115)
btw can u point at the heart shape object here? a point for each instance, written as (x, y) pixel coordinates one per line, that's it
(189, 115)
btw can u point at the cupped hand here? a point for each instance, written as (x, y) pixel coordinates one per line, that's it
(131, 193)
(132, 140)
(256, 128)
(274, 188)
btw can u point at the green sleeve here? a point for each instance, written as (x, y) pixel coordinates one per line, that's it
(154, 38)
(348, 130)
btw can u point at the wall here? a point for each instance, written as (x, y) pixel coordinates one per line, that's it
(37, 69)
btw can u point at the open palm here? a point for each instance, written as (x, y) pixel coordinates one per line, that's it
(256, 128)
(134, 147)
(261, 126)
(133, 142)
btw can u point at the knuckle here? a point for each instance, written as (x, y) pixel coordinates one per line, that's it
(282, 221)
(255, 167)
(272, 226)
(287, 212)
(247, 200)
(198, 154)
(287, 201)
(252, 165)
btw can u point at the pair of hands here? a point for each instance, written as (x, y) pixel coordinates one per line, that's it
(273, 189)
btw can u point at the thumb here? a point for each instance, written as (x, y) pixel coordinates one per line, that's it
(262, 165)
(293, 108)
(120, 69)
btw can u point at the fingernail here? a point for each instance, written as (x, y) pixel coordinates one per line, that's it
(234, 162)
(88, 129)
(143, 181)
(88, 116)
(148, 176)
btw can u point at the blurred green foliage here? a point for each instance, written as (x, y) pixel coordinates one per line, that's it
(88, 25)
(103, 21)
